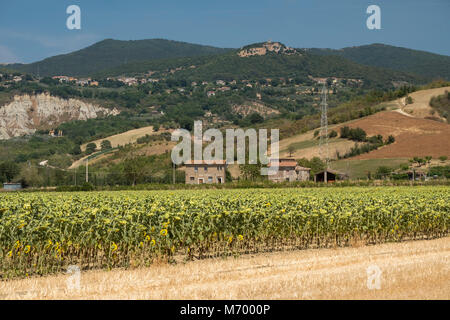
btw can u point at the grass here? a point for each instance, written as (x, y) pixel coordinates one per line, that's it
(310, 143)
(357, 169)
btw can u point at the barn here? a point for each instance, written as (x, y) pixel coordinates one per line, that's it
(331, 176)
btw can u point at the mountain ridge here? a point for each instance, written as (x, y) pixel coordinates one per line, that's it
(421, 62)
(110, 53)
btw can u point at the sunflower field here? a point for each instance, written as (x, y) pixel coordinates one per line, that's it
(43, 233)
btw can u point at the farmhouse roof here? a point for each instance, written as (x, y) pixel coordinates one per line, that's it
(207, 162)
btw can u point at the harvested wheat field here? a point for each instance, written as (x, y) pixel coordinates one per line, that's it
(123, 138)
(409, 270)
(421, 103)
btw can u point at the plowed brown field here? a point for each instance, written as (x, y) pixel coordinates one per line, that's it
(414, 136)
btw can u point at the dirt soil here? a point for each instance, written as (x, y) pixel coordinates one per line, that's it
(129, 136)
(413, 136)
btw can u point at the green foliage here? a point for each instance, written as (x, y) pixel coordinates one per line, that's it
(404, 166)
(44, 233)
(250, 171)
(390, 139)
(111, 53)
(230, 66)
(105, 145)
(332, 134)
(315, 164)
(76, 150)
(355, 134)
(427, 64)
(418, 160)
(442, 104)
(409, 100)
(383, 172)
(8, 171)
(440, 171)
(90, 148)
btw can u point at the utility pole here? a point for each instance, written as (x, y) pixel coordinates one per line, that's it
(173, 173)
(87, 170)
(323, 145)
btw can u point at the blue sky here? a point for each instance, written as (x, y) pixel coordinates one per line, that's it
(32, 30)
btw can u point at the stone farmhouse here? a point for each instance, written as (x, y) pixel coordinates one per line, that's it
(289, 170)
(204, 171)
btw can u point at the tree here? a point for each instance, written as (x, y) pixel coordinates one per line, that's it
(291, 150)
(358, 134)
(404, 166)
(228, 176)
(315, 164)
(156, 127)
(106, 145)
(8, 170)
(250, 171)
(390, 139)
(409, 100)
(255, 118)
(418, 160)
(76, 150)
(134, 168)
(382, 172)
(31, 177)
(443, 158)
(428, 159)
(345, 132)
(332, 134)
(91, 147)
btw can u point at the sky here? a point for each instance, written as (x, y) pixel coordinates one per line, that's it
(33, 30)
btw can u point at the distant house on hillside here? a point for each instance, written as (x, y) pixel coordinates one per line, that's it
(288, 170)
(204, 171)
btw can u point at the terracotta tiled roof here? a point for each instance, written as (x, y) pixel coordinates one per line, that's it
(208, 162)
(283, 162)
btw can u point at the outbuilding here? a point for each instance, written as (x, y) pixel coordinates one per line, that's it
(331, 176)
(12, 186)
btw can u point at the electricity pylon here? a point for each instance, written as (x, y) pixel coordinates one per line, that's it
(323, 145)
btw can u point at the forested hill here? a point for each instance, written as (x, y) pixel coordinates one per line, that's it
(396, 58)
(230, 66)
(111, 53)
